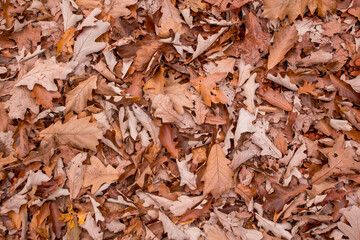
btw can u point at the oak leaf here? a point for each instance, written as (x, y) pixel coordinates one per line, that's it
(345, 90)
(66, 42)
(340, 161)
(203, 44)
(293, 8)
(118, 8)
(70, 19)
(97, 174)
(284, 40)
(227, 5)
(166, 136)
(195, 5)
(275, 98)
(207, 87)
(307, 88)
(92, 228)
(178, 95)
(43, 96)
(78, 133)
(218, 175)
(352, 215)
(76, 99)
(155, 85)
(44, 73)
(75, 174)
(145, 53)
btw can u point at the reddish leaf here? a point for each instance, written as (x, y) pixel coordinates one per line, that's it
(166, 137)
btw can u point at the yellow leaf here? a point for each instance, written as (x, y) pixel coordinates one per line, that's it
(81, 217)
(97, 174)
(75, 132)
(284, 40)
(218, 175)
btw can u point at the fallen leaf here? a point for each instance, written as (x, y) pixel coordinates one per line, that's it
(66, 42)
(277, 229)
(155, 85)
(76, 99)
(173, 231)
(91, 227)
(97, 174)
(166, 136)
(345, 90)
(214, 233)
(75, 132)
(307, 88)
(218, 175)
(186, 177)
(275, 98)
(352, 215)
(70, 19)
(75, 174)
(227, 5)
(249, 92)
(44, 73)
(44, 97)
(207, 87)
(284, 40)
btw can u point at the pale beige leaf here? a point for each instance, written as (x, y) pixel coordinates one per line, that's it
(90, 226)
(85, 43)
(283, 81)
(244, 124)
(178, 95)
(169, 11)
(44, 73)
(75, 174)
(118, 8)
(352, 215)
(278, 229)
(75, 132)
(19, 102)
(76, 99)
(284, 40)
(187, 178)
(70, 19)
(249, 89)
(213, 232)
(218, 175)
(95, 205)
(97, 174)
(13, 204)
(172, 230)
(261, 139)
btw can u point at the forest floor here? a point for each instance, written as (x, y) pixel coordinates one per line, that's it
(180, 119)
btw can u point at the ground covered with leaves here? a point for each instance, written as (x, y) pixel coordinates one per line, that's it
(180, 119)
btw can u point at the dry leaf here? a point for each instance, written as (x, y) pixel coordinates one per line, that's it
(345, 90)
(284, 40)
(75, 174)
(118, 8)
(352, 215)
(249, 92)
(91, 227)
(218, 175)
(275, 98)
(186, 177)
(76, 99)
(19, 102)
(166, 136)
(173, 231)
(97, 174)
(155, 85)
(70, 19)
(277, 229)
(44, 97)
(75, 132)
(207, 87)
(44, 73)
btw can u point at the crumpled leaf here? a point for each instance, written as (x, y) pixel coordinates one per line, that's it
(147, 122)
(218, 175)
(207, 87)
(97, 174)
(44, 73)
(75, 132)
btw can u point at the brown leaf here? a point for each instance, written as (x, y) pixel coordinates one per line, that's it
(345, 90)
(155, 84)
(97, 174)
(28, 37)
(207, 87)
(145, 53)
(275, 98)
(277, 200)
(166, 136)
(22, 143)
(43, 96)
(218, 175)
(284, 40)
(135, 89)
(66, 42)
(54, 219)
(245, 192)
(307, 88)
(227, 5)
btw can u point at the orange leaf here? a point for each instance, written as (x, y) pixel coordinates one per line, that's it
(155, 85)
(207, 87)
(307, 88)
(43, 96)
(166, 137)
(66, 41)
(275, 98)
(134, 91)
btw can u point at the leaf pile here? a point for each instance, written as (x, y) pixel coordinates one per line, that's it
(179, 119)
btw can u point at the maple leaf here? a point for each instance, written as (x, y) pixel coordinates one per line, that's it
(76, 99)
(85, 43)
(284, 40)
(352, 215)
(118, 8)
(97, 174)
(44, 73)
(206, 86)
(293, 8)
(166, 136)
(218, 175)
(44, 97)
(75, 132)
(340, 161)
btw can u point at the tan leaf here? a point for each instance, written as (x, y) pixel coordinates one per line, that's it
(6, 160)
(293, 8)
(213, 232)
(218, 175)
(352, 215)
(75, 174)
(76, 99)
(155, 85)
(345, 90)
(78, 133)
(178, 95)
(89, 3)
(227, 5)
(275, 98)
(44, 73)
(166, 136)
(70, 19)
(284, 40)
(195, 5)
(169, 11)
(43, 96)
(145, 53)
(307, 88)
(97, 174)
(94, 230)
(207, 87)
(118, 8)
(203, 44)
